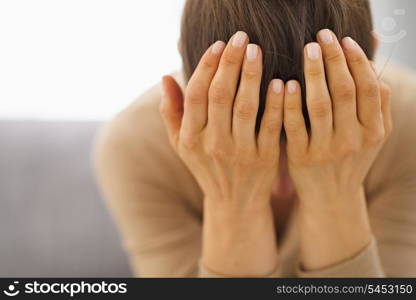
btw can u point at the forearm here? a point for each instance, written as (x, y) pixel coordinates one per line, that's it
(239, 241)
(332, 230)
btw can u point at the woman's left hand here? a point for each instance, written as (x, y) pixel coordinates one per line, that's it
(350, 119)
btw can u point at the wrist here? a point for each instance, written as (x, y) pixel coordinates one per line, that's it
(341, 226)
(334, 198)
(341, 213)
(239, 241)
(236, 210)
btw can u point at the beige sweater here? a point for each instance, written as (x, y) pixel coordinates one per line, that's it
(157, 204)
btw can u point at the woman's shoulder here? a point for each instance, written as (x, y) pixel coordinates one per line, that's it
(140, 121)
(135, 141)
(142, 115)
(402, 81)
(396, 159)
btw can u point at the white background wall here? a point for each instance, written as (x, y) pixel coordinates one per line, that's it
(83, 59)
(87, 59)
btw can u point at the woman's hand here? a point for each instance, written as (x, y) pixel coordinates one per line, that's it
(350, 120)
(212, 129)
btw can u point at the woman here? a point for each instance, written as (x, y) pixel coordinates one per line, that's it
(271, 155)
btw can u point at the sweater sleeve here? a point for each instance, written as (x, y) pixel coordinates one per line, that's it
(364, 264)
(206, 273)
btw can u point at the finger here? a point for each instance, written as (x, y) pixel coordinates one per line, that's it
(196, 95)
(171, 107)
(246, 102)
(367, 85)
(294, 123)
(386, 108)
(318, 100)
(224, 84)
(271, 123)
(340, 82)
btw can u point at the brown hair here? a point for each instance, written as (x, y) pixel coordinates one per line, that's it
(280, 27)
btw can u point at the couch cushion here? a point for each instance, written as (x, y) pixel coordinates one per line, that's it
(53, 222)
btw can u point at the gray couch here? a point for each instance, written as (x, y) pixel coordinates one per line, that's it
(52, 219)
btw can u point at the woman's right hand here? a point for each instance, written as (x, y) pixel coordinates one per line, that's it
(212, 129)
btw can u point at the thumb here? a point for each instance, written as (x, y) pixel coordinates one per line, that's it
(171, 107)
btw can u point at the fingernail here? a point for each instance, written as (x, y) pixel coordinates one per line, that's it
(252, 51)
(313, 51)
(277, 86)
(218, 47)
(349, 43)
(239, 39)
(325, 36)
(291, 87)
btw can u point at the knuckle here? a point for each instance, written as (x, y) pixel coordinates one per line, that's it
(334, 56)
(218, 94)
(269, 159)
(293, 127)
(188, 141)
(195, 99)
(320, 109)
(229, 59)
(298, 159)
(375, 137)
(345, 90)
(250, 74)
(275, 107)
(216, 150)
(349, 147)
(321, 155)
(272, 126)
(314, 71)
(245, 109)
(292, 106)
(194, 93)
(316, 159)
(371, 89)
(208, 64)
(358, 59)
(244, 158)
(195, 96)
